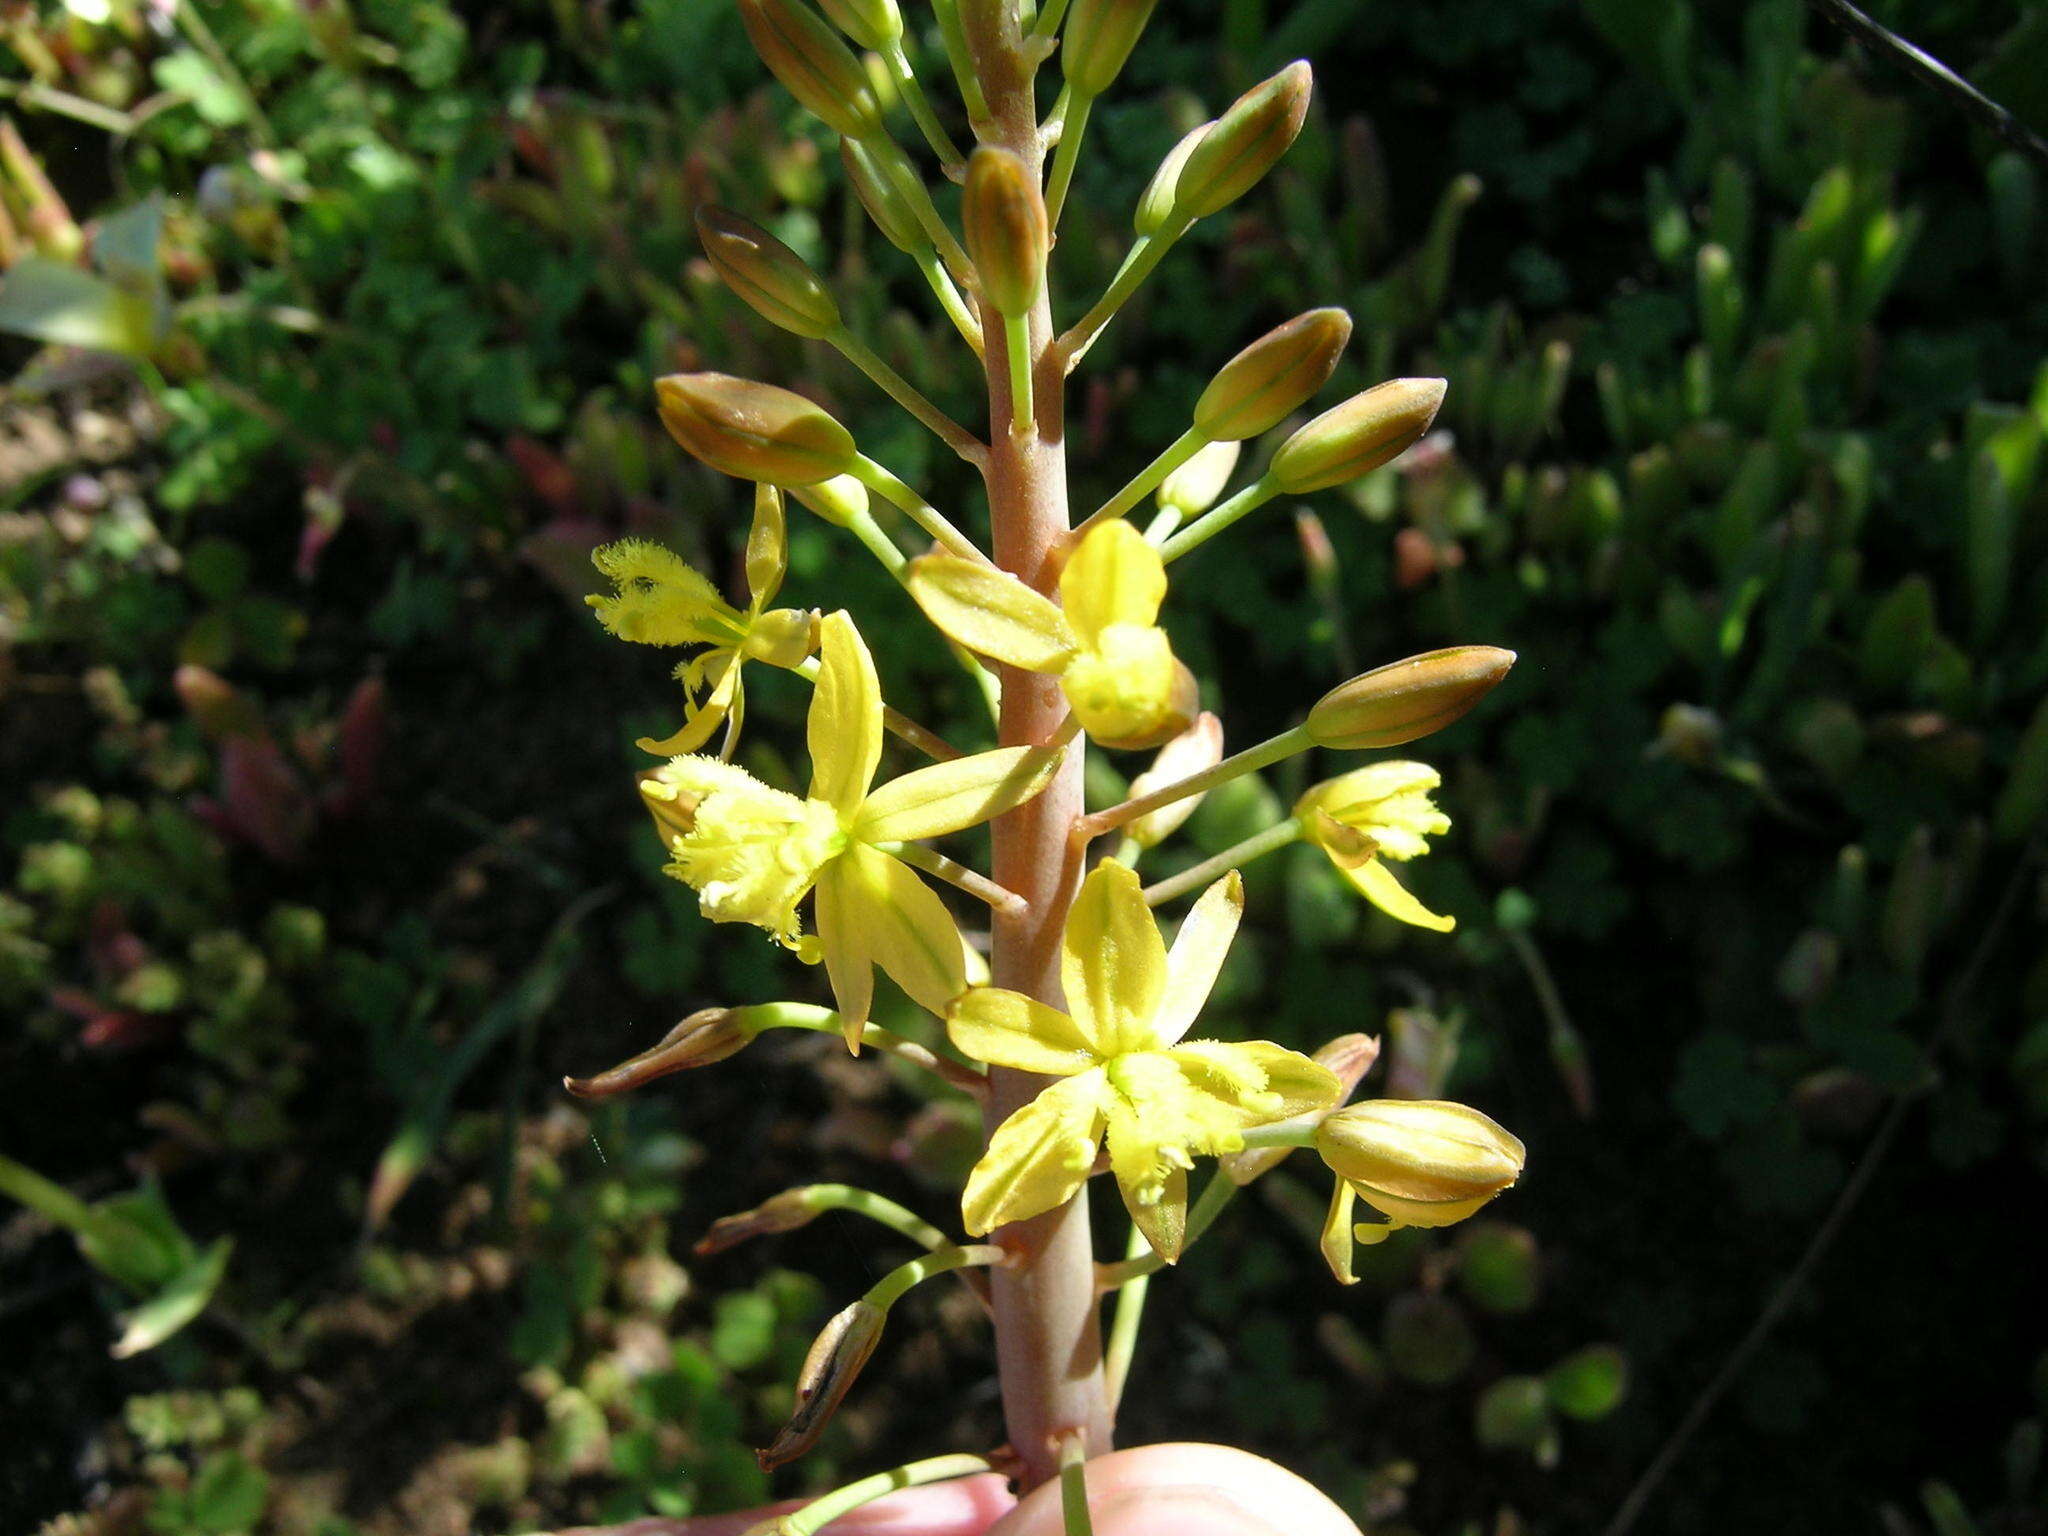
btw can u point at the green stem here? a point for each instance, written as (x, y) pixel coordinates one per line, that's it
(865, 1202)
(897, 167)
(889, 1290)
(1243, 504)
(1147, 480)
(962, 62)
(1275, 837)
(1049, 19)
(921, 108)
(907, 395)
(884, 549)
(1251, 760)
(949, 298)
(1143, 256)
(821, 1512)
(1164, 521)
(921, 512)
(1017, 347)
(1298, 1132)
(825, 1021)
(1074, 1487)
(1216, 1194)
(1072, 127)
(1130, 1313)
(955, 874)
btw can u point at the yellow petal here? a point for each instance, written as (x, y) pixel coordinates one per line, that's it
(1128, 689)
(1112, 960)
(1113, 577)
(930, 802)
(1038, 1158)
(697, 728)
(842, 940)
(767, 547)
(1337, 1233)
(1196, 957)
(991, 612)
(1008, 1029)
(845, 726)
(1264, 1082)
(903, 927)
(1159, 1211)
(1376, 883)
(660, 600)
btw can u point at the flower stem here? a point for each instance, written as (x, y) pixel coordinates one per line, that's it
(1072, 127)
(825, 1021)
(1251, 760)
(1142, 257)
(1196, 534)
(921, 108)
(1017, 348)
(1074, 1489)
(1130, 1312)
(907, 395)
(1259, 844)
(821, 1512)
(889, 1290)
(954, 873)
(865, 1202)
(1216, 1194)
(1147, 480)
(921, 512)
(949, 299)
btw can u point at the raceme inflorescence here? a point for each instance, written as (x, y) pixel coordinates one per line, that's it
(1081, 1031)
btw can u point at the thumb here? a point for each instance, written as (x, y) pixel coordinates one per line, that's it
(1185, 1490)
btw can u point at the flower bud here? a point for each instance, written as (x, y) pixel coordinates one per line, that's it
(754, 431)
(836, 1358)
(813, 65)
(1127, 709)
(1198, 747)
(706, 1036)
(884, 201)
(1361, 434)
(1002, 216)
(1245, 143)
(839, 501)
(1406, 700)
(786, 1212)
(872, 24)
(1276, 374)
(1155, 205)
(1098, 39)
(767, 275)
(1420, 1162)
(1192, 489)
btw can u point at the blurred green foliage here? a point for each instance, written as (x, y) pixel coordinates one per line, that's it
(321, 860)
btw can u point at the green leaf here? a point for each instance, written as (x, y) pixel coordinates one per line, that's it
(48, 301)
(176, 1304)
(212, 97)
(1588, 1384)
(227, 1496)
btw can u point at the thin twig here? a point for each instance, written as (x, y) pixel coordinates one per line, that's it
(1837, 1217)
(1930, 71)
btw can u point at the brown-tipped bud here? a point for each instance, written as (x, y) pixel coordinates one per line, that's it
(840, 500)
(1420, 1162)
(775, 282)
(754, 431)
(1198, 747)
(1245, 143)
(1361, 434)
(1406, 700)
(835, 1359)
(1156, 204)
(1193, 488)
(884, 201)
(1350, 1057)
(872, 24)
(1278, 373)
(1100, 35)
(786, 1212)
(1002, 216)
(708, 1035)
(813, 65)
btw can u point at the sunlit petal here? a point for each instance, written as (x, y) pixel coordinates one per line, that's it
(1039, 1157)
(845, 726)
(1196, 957)
(1008, 1029)
(1112, 960)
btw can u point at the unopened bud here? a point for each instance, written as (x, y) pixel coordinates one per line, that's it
(1361, 434)
(840, 501)
(1420, 1162)
(1192, 489)
(1122, 721)
(883, 199)
(1278, 373)
(1198, 747)
(706, 1036)
(1245, 143)
(786, 1212)
(872, 24)
(1406, 700)
(829, 1370)
(767, 275)
(1003, 217)
(1350, 1057)
(754, 431)
(1156, 204)
(813, 65)
(1098, 39)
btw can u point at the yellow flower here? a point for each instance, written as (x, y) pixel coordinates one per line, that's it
(1124, 1069)
(752, 852)
(1102, 639)
(1419, 1162)
(1372, 814)
(662, 601)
